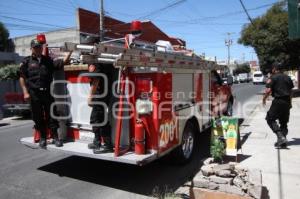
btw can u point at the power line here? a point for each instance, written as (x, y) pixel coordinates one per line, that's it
(171, 5)
(111, 13)
(26, 27)
(202, 23)
(201, 19)
(29, 21)
(187, 15)
(6, 7)
(193, 8)
(72, 4)
(41, 4)
(56, 3)
(250, 19)
(37, 14)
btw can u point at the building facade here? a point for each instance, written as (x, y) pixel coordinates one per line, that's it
(87, 31)
(55, 38)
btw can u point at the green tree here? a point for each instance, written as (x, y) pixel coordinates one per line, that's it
(4, 35)
(268, 35)
(242, 68)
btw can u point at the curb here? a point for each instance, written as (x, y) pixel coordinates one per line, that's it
(10, 118)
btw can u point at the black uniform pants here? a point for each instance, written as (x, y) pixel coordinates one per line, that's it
(40, 102)
(99, 122)
(279, 110)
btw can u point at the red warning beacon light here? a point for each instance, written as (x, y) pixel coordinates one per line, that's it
(136, 28)
(41, 38)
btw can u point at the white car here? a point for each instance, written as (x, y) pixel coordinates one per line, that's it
(258, 78)
(243, 77)
(236, 79)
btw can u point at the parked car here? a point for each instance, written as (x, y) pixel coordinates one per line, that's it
(236, 79)
(15, 105)
(243, 77)
(258, 77)
(250, 78)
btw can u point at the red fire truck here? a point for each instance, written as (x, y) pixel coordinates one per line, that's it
(161, 101)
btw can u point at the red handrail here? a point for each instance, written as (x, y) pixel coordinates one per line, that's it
(120, 112)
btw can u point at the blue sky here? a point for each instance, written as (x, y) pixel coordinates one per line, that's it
(203, 24)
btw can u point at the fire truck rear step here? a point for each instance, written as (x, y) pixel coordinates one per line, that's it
(80, 149)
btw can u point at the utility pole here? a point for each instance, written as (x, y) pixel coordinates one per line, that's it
(228, 43)
(101, 14)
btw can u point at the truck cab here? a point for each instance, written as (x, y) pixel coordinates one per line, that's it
(222, 101)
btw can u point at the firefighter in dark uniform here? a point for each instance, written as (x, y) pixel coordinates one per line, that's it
(280, 86)
(35, 79)
(99, 99)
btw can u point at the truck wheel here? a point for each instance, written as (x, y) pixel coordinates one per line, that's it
(183, 154)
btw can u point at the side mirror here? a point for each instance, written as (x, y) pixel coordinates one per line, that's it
(229, 80)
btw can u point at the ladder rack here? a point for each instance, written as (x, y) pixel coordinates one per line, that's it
(139, 57)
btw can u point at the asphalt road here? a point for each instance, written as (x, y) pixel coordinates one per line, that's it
(31, 173)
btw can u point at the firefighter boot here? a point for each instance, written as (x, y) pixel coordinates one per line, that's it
(96, 142)
(284, 133)
(106, 147)
(43, 143)
(58, 142)
(281, 140)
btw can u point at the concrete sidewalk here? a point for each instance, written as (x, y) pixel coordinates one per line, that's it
(280, 168)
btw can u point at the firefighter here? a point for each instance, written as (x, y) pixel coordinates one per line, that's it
(35, 78)
(99, 100)
(280, 86)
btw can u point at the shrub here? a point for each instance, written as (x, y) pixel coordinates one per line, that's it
(217, 149)
(9, 72)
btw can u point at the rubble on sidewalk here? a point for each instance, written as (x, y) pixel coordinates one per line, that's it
(230, 178)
